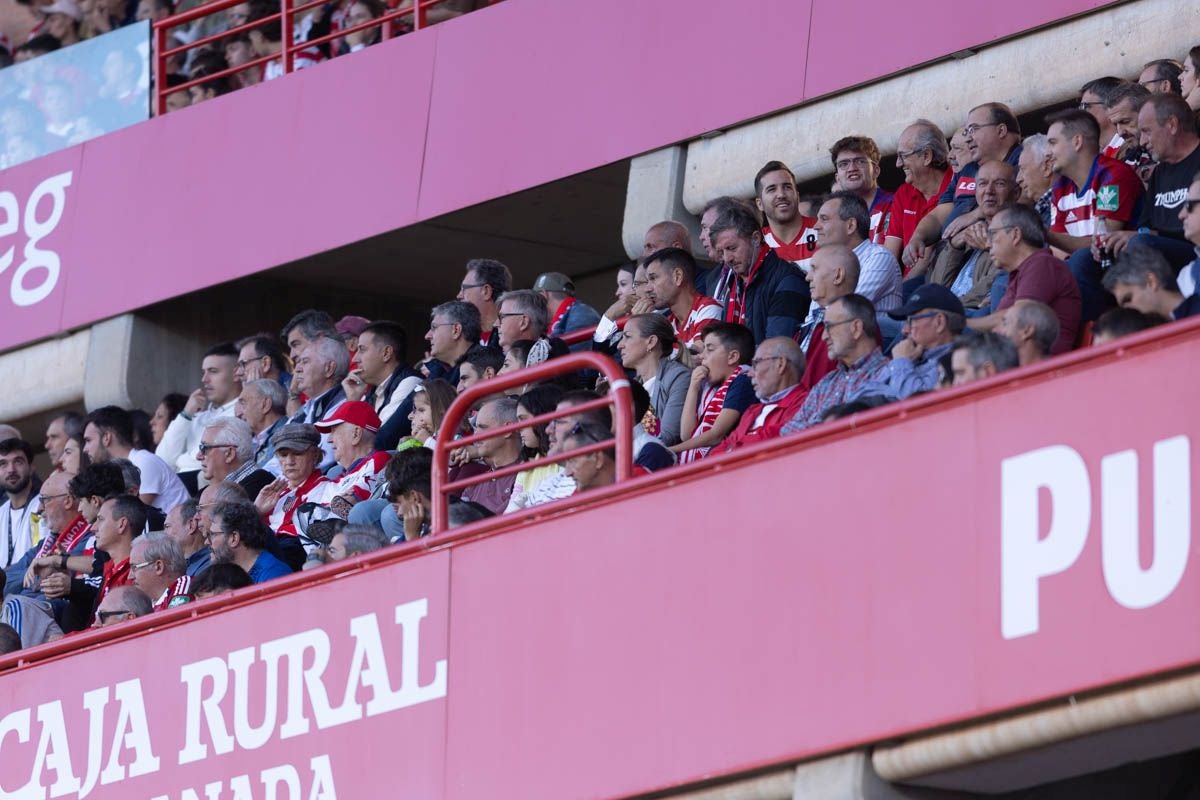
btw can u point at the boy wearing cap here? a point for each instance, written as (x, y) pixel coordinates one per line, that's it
(567, 313)
(351, 428)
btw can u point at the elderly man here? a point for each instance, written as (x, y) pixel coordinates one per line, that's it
(775, 372)
(567, 312)
(486, 280)
(768, 295)
(843, 220)
(1032, 327)
(453, 330)
(1035, 176)
(226, 452)
(922, 155)
(523, 315)
(851, 337)
(158, 567)
(262, 405)
(298, 448)
(183, 525)
(109, 434)
(974, 358)
(834, 274)
(218, 392)
(123, 603)
(670, 286)
(1143, 279)
(351, 430)
(384, 370)
(66, 536)
(239, 536)
(320, 370)
(19, 529)
(1018, 245)
(856, 163)
(933, 316)
(664, 235)
(496, 452)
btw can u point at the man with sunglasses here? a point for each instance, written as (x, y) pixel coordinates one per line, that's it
(122, 604)
(1189, 214)
(226, 452)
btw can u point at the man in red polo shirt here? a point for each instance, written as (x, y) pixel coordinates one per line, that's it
(775, 372)
(922, 155)
(791, 235)
(119, 520)
(670, 285)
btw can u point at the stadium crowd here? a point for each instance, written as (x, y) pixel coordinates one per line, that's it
(999, 249)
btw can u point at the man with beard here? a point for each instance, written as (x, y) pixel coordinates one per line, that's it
(239, 536)
(792, 236)
(19, 529)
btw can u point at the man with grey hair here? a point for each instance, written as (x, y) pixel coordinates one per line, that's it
(496, 453)
(453, 328)
(320, 370)
(1032, 327)
(775, 372)
(922, 154)
(523, 315)
(485, 281)
(183, 525)
(1018, 246)
(305, 328)
(932, 317)
(1035, 176)
(567, 312)
(262, 405)
(843, 219)
(157, 567)
(122, 603)
(974, 358)
(354, 540)
(1143, 279)
(226, 452)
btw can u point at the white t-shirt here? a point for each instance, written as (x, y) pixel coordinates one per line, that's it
(16, 529)
(159, 479)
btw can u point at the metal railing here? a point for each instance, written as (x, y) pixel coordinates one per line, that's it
(619, 397)
(287, 16)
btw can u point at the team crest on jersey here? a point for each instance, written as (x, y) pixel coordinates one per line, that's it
(1108, 198)
(177, 600)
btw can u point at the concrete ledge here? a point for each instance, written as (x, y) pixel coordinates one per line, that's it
(655, 193)
(43, 376)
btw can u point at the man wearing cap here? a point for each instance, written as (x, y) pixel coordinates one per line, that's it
(351, 428)
(298, 448)
(567, 312)
(933, 316)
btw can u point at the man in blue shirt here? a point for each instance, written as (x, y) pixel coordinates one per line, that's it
(933, 317)
(238, 535)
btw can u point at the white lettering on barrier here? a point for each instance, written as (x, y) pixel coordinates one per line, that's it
(282, 782)
(1027, 557)
(35, 258)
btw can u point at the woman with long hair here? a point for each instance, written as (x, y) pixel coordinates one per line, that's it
(649, 348)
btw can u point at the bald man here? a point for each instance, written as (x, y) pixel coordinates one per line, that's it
(667, 233)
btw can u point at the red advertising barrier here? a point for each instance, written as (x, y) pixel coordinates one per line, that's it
(959, 555)
(375, 141)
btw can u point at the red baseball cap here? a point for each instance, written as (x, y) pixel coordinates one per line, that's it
(356, 412)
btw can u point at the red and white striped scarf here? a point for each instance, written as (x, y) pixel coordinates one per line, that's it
(711, 403)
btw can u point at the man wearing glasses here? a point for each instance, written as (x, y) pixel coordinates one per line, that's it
(122, 603)
(485, 281)
(158, 567)
(856, 161)
(1189, 214)
(922, 155)
(775, 372)
(933, 316)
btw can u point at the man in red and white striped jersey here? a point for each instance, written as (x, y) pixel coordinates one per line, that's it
(158, 568)
(791, 235)
(670, 285)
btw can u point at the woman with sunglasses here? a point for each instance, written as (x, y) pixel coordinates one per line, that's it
(647, 348)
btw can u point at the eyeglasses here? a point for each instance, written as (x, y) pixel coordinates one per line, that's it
(973, 128)
(1084, 106)
(587, 432)
(248, 362)
(46, 497)
(204, 449)
(105, 616)
(142, 565)
(754, 363)
(903, 156)
(504, 314)
(923, 315)
(466, 286)
(847, 163)
(208, 537)
(638, 283)
(991, 232)
(1190, 203)
(831, 324)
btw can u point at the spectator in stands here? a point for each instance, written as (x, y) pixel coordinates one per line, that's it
(409, 506)
(856, 164)
(1124, 104)
(775, 371)
(183, 525)
(964, 265)
(453, 330)
(1189, 79)
(922, 155)
(351, 430)
(62, 18)
(1018, 245)
(567, 312)
(239, 536)
(430, 401)
(1094, 100)
(717, 281)
(1032, 327)
(262, 404)
(157, 567)
(646, 349)
(843, 220)
(214, 493)
(1094, 195)
(260, 358)
(298, 447)
(852, 340)
(1118, 322)
(496, 452)
(121, 605)
(206, 64)
(767, 294)
(540, 399)
(164, 414)
(594, 469)
(486, 280)
(1035, 176)
(179, 99)
(74, 459)
(834, 274)
(974, 358)
(523, 315)
(226, 452)
(384, 380)
(959, 155)
(218, 579)
(22, 504)
(1161, 76)
(719, 392)
(66, 533)
(1141, 279)
(108, 434)
(479, 364)
(94, 485)
(267, 40)
(1168, 129)
(30, 619)
(789, 235)
(349, 327)
(933, 316)
(354, 540)
(666, 235)
(215, 398)
(39, 45)
(143, 436)
(1189, 276)
(670, 287)
(238, 50)
(118, 521)
(305, 328)
(58, 431)
(153, 10)
(320, 370)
